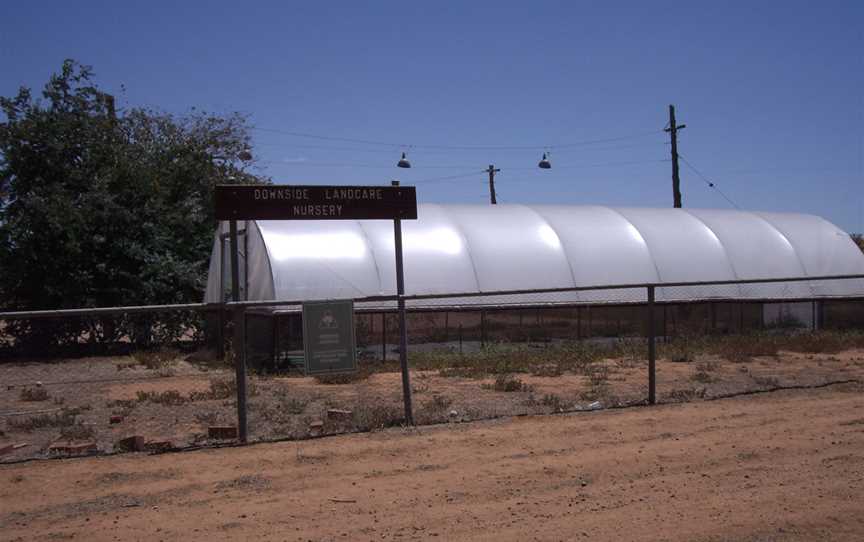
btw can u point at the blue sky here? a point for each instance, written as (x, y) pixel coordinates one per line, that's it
(771, 92)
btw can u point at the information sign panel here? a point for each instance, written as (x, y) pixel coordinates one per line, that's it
(328, 337)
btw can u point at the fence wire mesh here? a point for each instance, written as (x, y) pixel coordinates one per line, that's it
(165, 379)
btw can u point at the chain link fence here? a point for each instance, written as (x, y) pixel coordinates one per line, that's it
(105, 380)
(159, 378)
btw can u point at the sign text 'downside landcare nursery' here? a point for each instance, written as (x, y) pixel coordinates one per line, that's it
(314, 202)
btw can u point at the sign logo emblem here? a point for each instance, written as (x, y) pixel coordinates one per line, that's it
(328, 321)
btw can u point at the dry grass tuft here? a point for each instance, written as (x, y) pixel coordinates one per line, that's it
(34, 394)
(507, 383)
(167, 397)
(344, 378)
(77, 431)
(371, 414)
(64, 418)
(156, 359)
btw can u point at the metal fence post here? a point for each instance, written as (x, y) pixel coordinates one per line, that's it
(240, 370)
(813, 316)
(383, 336)
(578, 323)
(220, 331)
(652, 376)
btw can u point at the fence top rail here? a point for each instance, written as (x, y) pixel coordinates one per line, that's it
(102, 311)
(417, 297)
(632, 286)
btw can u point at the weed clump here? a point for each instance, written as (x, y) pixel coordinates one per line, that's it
(766, 381)
(548, 371)
(343, 378)
(374, 414)
(77, 431)
(550, 400)
(507, 383)
(155, 359)
(64, 418)
(34, 394)
(168, 397)
(439, 402)
(680, 350)
(704, 370)
(223, 388)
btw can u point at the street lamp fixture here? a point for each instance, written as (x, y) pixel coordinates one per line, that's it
(403, 162)
(544, 163)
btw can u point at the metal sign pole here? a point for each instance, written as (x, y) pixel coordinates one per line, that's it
(403, 330)
(239, 342)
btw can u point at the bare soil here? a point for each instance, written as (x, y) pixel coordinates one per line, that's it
(785, 465)
(177, 403)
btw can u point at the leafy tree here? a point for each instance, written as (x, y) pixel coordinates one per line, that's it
(100, 207)
(859, 240)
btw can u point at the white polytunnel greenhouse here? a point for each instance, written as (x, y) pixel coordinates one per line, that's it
(498, 248)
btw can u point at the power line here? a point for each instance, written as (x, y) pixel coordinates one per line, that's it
(455, 147)
(582, 166)
(304, 163)
(709, 183)
(292, 146)
(450, 177)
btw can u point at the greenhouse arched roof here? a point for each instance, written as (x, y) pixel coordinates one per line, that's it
(490, 248)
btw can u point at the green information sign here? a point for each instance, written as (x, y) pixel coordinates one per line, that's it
(328, 337)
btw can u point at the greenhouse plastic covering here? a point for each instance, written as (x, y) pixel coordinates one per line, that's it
(494, 248)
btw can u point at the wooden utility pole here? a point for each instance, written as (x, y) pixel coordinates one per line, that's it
(673, 135)
(492, 171)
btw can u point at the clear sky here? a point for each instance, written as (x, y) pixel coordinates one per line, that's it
(771, 92)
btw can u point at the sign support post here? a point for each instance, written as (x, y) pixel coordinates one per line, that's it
(239, 341)
(403, 329)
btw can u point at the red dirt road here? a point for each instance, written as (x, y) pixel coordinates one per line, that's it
(775, 466)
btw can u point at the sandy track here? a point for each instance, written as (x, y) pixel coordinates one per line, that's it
(777, 466)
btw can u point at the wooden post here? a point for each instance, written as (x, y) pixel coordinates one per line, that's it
(673, 136)
(492, 170)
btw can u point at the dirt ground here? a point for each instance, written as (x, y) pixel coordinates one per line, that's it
(786, 465)
(179, 402)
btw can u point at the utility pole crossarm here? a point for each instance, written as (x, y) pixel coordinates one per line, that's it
(673, 136)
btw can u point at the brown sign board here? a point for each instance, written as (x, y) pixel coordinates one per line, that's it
(314, 202)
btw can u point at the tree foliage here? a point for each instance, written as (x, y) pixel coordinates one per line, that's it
(102, 207)
(858, 238)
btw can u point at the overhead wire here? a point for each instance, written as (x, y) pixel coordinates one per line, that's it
(449, 177)
(305, 163)
(581, 166)
(406, 145)
(292, 146)
(710, 184)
